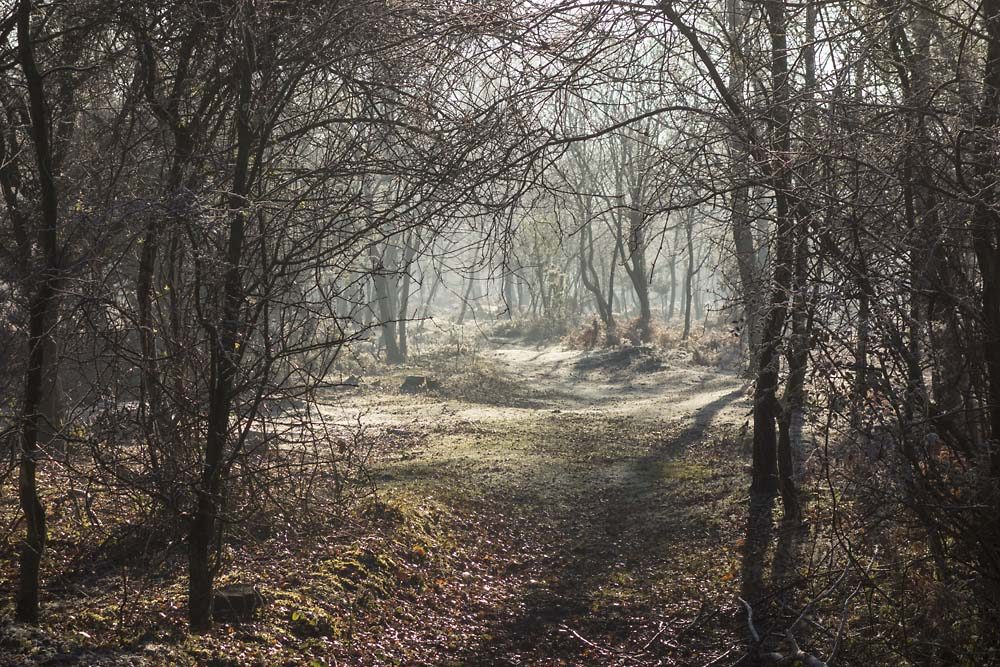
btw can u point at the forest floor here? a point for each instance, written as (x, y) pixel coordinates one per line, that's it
(609, 488)
(543, 506)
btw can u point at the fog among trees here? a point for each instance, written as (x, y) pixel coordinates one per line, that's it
(500, 333)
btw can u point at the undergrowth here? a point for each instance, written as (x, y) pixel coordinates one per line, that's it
(711, 347)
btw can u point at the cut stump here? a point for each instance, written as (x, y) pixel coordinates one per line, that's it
(236, 603)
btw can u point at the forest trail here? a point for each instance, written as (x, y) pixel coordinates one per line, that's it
(604, 491)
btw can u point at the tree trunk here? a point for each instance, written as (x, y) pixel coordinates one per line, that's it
(404, 304)
(409, 252)
(637, 272)
(673, 282)
(508, 292)
(41, 312)
(366, 294)
(766, 408)
(467, 298)
(698, 294)
(743, 242)
(790, 427)
(791, 424)
(669, 290)
(591, 281)
(689, 274)
(385, 292)
(224, 337)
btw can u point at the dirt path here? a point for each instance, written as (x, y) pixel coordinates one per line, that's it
(602, 494)
(534, 380)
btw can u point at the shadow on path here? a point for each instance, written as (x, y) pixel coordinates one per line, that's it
(636, 518)
(769, 597)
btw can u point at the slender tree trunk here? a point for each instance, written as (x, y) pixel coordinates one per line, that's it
(688, 274)
(409, 252)
(385, 299)
(224, 337)
(766, 408)
(672, 304)
(508, 292)
(41, 314)
(386, 315)
(467, 298)
(791, 422)
(33, 545)
(404, 305)
(606, 266)
(638, 274)
(746, 254)
(591, 281)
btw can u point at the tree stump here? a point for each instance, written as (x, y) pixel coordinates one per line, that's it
(413, 384)
(236, 603)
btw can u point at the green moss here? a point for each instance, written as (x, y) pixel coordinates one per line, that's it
(353, 570)
(313, 622)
